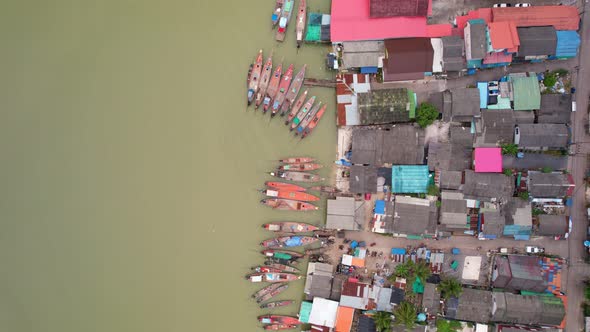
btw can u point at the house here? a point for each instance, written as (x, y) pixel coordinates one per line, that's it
(453, 54)
(407, 59)
(318, 282)
(519, 218)
(488, 160)
(536, 42)
(475, 40)
(345, 213)
(363, 179)
(386, 106)
(401, 144)
(363, 54)
(531, 161)
(383, 298)
(453, 211)
(568, 43)
(492, 224)
(543, 136)
(397, 295)
(461, 135)
(473, 305)
(344, 319)
(409, 8)
(449, 156)
(524, 117)
(496, 126)
(527, 309)
(323, 312)
(464, 105)
(559, 17)
(556, 226)
(431, 299)
(503, 37)
(550, 185)
(348, 86)
(526, 91)
(518, 273)
(366, 324)
(488, 186)
(450, 180)
(414, 217)
(555, 108)
(355, 295)
(410, 179)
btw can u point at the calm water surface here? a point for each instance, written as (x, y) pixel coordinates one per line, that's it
(129, 164)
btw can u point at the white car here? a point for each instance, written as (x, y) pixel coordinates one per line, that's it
(522, 5)
(534, 250)
(502, 5)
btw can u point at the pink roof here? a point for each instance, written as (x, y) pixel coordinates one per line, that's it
(499, 57)
(350, 21)
(503, 35)
(439, 30)
(482, 13)
(488, 160)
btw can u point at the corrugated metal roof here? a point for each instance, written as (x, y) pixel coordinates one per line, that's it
(560, 17)
(568, 43)
(552, 225)
(503, 35)
(527, 95)
(407, 56)
(548, 185)
(387, 8)
(384, 106)
(363, 179)
(537, 41)
(410, 179)
(477, 41)
(555, 108)
(543, 135)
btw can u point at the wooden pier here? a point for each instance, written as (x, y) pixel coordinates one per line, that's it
(319, 82)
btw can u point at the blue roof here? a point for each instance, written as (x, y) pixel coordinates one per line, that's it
(410, 179)
(568, 43)
(483, 94)
(380, 206)
(369, 70)
(398, 251)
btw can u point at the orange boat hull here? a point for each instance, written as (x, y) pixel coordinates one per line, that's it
(284, 186)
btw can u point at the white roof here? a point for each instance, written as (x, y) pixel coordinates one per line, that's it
(471, 268)
(481, 328)
(323, 312)
(347, 260)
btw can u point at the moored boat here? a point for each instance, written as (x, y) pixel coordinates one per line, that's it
(284, 186)
(289, 227)
(300, 27)
(273, 293)
(296, 195)
(249, 74)
(300, 167)
(273, 277)
(264, 80)
(296, 107)
(300, 112)
(276, 14)
(297, 176)
(281, 93)
(284, 20)
(325, 189)
(255, 78)
(283, 267)
(283, 254)
(293, 91)
(308, 118)
(273, 87)
(267, 269)
(276, 304)
(296, 160)
(314, 122)
(289, 241)
(287, 204)
(265, 290)
(278, 319)
(279, 327)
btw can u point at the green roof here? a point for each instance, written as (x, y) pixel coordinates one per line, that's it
(410, 179)
(305, 311)
(527, 95)
(385, 106)
(418, 286)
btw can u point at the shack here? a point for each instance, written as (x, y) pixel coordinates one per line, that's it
(402, 145)
(345, 213)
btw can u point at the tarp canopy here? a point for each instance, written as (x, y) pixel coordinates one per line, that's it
(380, 206)
(305, 311)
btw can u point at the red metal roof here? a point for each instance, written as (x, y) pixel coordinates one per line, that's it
(481, 13)
(499, 57)
(350, 21)
(560, 17)
(388, 8)
(439, 30)
(503, 35)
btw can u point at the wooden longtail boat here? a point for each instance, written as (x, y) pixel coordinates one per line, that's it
(283, 87)
(273, 87)
(266, 269)
(293, 91)
(255, 78)
(300, 112)
(277, 12)
(325, 189)
(273, 277)
(284, 186)
(249, 74)
(265, 290)
(297, 176)
(289, 241)
(284, 20)
(278, 319)
(314, 122)
(276, 304)
(308, 118)
(283, 254)
(283, 267)
(287, 204)
(296, 160)
(296, 107)
(289, 227)
(264, 80)
(279, 327)
(301, 18)
(300, 167)
(273, 293)
(296, 195)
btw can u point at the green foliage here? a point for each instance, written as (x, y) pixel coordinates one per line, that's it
(426, 114)
(523, 195)
(586, 309)
(509, 149)
(404, 270)
(405, 314)
(546, 169)
(550, 80)
(508, 172)
(433, 190)
(382, 321)
(422, 271)
(410, 271)
(561, 72)
(443, 325)
(587, 292)
(438, 204)
(537, 212)
(450, 287)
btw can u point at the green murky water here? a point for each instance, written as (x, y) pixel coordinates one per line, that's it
(129, 164)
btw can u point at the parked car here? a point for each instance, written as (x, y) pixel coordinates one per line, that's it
(534, 250)
(502, 5)
(522, 5)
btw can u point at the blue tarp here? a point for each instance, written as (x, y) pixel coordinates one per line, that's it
(483, 94)
(369, 70)
(398, 251)
(294, 241)
(354, 244)
(380, 207)
(455, 251)
(522, 237)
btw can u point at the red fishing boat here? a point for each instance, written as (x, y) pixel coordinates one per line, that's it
(284, 186)
(276, 14)
(300, 27)
(284, 20)
(308, 118)
(255, 78)
(314, 122)
(278, 290)
(283, 87)
(296, 195)
(279, 327)
(273, 87)
(276, 304)
(266, 269)
(287, 254)
(249, 74)
(283, 267)
(293, 91)
(289, 241)
(300, 167)
(265, 290)
(273, 277)
(296, 107)
(297, 176)
(287, 204)
(289, 227)
(301, 111)
(295, 160)
(264, 80)
(278, 319)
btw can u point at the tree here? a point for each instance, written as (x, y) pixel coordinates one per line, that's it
(508, 172)
(546, 169)
(422, 271)
(550, 80)
(587, 292)
(524, 195)
(443, 325)
(404, 270)
(405, 314)
(426, 114)
(450, 287)
(509, 149)
(433, 190)
(382, 321)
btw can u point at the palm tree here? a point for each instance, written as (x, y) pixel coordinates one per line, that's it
(404, 269)
(405, 314)
(450, 287)
(443, 325)
(382, 321)
(422, 271)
